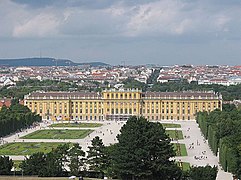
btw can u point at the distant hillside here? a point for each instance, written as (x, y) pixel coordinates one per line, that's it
(45, 62)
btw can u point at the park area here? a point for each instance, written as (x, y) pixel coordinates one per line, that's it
(58, 134)
(171, 125)
(27, 148)
(174, 134)
(180, 149)
(77, 125)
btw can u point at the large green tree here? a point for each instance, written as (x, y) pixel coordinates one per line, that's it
(34, 165)
(6, 165)
(203, 173)
(77, 160)
(97, 158)
(144, 152)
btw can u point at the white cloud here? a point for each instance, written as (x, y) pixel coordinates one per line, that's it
(39, 26)
(148, 18)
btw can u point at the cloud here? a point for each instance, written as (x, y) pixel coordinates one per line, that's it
(80, 18)
(40, 25)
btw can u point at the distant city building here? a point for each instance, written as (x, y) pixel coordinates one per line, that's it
(121, 104)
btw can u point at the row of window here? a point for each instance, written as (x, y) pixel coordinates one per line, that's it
(121, 96)
(167, 117)
(124, 111)
(80, 117)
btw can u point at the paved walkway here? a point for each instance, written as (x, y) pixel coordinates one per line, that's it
(199, 153)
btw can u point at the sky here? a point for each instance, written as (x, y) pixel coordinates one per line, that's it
(163, 32)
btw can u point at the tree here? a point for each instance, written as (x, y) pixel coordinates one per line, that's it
(203, 173)
(143, 152)
(76, 156)
(96, 155)
(34, 164)
(6, 165)
(50, 164)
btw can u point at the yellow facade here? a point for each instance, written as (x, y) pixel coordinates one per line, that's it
(120, 105)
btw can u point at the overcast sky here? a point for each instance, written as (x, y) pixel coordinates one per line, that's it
(161, 32)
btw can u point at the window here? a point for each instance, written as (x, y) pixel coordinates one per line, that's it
(116, 111)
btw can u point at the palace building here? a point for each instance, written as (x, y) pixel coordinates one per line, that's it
(121, 104)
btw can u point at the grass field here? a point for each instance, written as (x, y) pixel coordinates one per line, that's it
(58, 134)
(185, 166)
(81, 125)
(168, 125)
(16, 165)
(183, 149)
(26, 148)
(172, 134)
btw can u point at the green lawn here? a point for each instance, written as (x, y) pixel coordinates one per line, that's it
(169, 125)
(81, 125)
(172, 134)
(183, 149)
(16, 164)
(26, 148)
(58, 134)
(185, 166)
